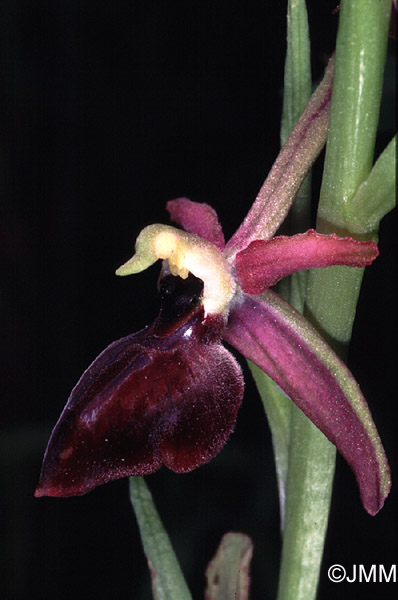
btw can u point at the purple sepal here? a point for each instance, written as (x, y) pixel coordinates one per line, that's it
(198, 218)
(270, 333)
(288, 171)
(264, 262)
(166, 395)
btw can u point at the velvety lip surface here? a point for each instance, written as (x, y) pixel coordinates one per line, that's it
(168, 395)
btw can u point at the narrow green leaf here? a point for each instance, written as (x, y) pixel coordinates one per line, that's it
(296, 94)
(277, 406)
(297, 81)
(228, 574)
(167, 579)
(376, 195)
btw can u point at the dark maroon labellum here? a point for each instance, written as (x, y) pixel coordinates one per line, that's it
(166, 395)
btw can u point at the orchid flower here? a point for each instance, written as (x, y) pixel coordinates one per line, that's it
(169, 394)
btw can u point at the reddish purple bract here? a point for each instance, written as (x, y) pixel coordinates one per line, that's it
(166, 395)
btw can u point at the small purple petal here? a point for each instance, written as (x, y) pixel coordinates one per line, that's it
(269, 332)
(166, 395)
(198, 218)
(264, 263)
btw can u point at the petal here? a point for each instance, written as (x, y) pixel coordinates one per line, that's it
(289, 170)
(263, 263)
(166, 395)
(269, 332)
(198, 218)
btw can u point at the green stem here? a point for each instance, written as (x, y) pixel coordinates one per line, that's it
(360, 57)
(332, 293)
(309, 487)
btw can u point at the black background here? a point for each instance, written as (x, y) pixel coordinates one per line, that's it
(109, 110)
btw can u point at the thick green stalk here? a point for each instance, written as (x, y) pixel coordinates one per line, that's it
(332, 293)
(309, 486)
(168, 582)
(360, 57)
